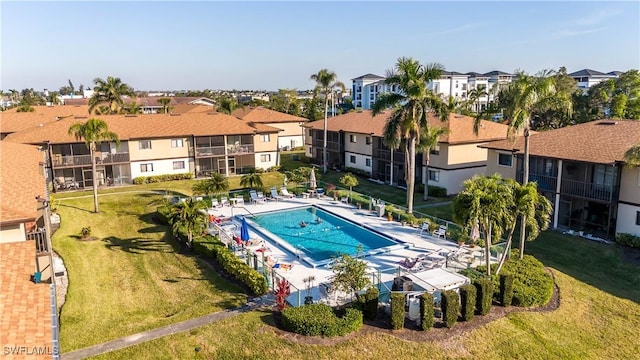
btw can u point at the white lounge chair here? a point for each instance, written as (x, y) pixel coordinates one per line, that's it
(239, 200)
(224, 201)
(440, 232)
(255, 199)
(215, 203)
(274, 194)
(285, 193)
(344, 199)
(424, 227)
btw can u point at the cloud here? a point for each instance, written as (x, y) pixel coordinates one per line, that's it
(457, 30)
(565, 33)
(596, 17)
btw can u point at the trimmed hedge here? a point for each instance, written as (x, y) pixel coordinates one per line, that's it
(426, 311)
(397, 311)
(628, 240)
(161, 178)
(484, 297)
(532, 284)
(370, 310)
(467, 302)
(320, 320)
(436, 191)
(450, 307)
(506, 289)
(232, 265)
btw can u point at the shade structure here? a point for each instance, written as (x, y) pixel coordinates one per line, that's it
(312, 179)
(244, 230)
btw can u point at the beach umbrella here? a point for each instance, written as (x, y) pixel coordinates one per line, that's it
(244, 230)
(312, 179)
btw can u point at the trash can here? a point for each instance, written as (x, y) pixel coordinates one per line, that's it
(380, 210)
(37, 276)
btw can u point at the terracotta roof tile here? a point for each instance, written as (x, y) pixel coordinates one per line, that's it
(21, 180)
(12, 121)
(263, 115)
(600, 141)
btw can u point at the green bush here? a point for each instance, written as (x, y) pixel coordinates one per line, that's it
(468, 302)
(426, 311)
(628, 240)
(397, 311)
(532, 284)
(161, 178)
(437, 191)
(140, 180)
(164, 211)
(370, 310)
(506, 289)
(320, 320)
(358, 172)
(231, 264)
(484, 295)
(450, 307)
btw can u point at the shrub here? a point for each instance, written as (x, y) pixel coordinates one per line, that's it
(506, 289)
(161, 178)
(370, 310)
(397, 311)
(450, 307)
(426, 311)
(140, 180)
(468, 302)
(281, 293)
(532, 284)
(320, 320)
(358, 172)
(437, 191)
(628, 240)
(484, 296)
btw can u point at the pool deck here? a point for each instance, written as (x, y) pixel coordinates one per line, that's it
(386, 264)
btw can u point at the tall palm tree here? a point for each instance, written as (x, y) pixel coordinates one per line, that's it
(131, 108)
(189, 215)
(632, 156)
(228, 104)
(326, 81)
(474, 96)
(109, 92)
(217, 184)
(410, 111)
(93, 132)
(428, 141)
(485, 202)
(165, 104)
(252, 179)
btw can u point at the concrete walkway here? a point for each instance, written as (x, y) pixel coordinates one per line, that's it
(153, 334)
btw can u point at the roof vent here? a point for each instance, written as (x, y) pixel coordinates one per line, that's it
(172, 114)
(80, 117)
(359, 111)
(607, 123)
(130, 115)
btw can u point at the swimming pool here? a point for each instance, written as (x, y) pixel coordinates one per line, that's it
(321, 241)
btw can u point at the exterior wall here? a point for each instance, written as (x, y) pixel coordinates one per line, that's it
(260, 145)
(493, 167)
(273, 161)
(466, 154)
(13, 233)
(160, 149)
(627, 219)
(360, 146)
(291, 135)
(160, 167)
(452, 179)
(630, 185)
(361, 161)
(440, 160)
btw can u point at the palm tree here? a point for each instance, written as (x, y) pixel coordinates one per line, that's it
(93, 132)
(165, 104)
(475, 95)
(429, 140)
(485, 202)
(632, 156)
(410, 111)
(228, 104)
(521, 99)
(326, 81)
(217, 184)
(189, 215)
(131, 108)
(252, 179)
(109, 92)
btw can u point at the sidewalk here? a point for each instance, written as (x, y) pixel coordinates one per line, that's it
(153, 334)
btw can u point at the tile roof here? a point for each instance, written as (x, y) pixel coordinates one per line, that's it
(189, 108)
(587, 72)
(25, 315)
(12, 121)
(368, 76)
(263, 115)
(21, 180)
(600, 141)
(461, 127)
(146, 126)
(496, 72)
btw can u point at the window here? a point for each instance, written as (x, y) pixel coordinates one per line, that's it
(637, 217)
(177, 143)
(367, 140)
(352, 138)
(505, 159)
(265, 138)
(177, 165)
(368, 162)
(144, 144)
(146, 167)
(265, 158)
(352, 159)
(435, 150)
(434, 175)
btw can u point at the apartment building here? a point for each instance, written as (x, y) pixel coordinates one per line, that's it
(364, 90)
(581, 170)
(587, 78)
(292, 134)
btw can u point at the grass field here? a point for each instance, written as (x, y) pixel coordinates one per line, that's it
(132, 278)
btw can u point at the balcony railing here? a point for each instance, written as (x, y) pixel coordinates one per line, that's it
(40, 237)
(545, 182)
(209, 151)
(240, 149)
(82, 160)
(331, 145)
(586, 190)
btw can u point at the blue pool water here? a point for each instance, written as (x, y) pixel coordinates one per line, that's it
(321, 241)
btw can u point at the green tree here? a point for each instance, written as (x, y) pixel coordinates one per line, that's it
(474, 96)
(131, 108)
(228, 104)
(326, 82)
(217, 184)
(632, 156)
(485, 202)
(165, 104)
(93, 132)
(428, 141)
(286, 101)
(189, 216)
(312, 108)
(109, 92)
(410, 111)
(350, 181)
(350, 273)
(25, 107)
(252, 179)
(556, 116)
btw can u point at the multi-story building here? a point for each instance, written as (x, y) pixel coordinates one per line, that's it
(586, 78)
(292, 134)
(355, 140)
(581, 170)
(364, 90)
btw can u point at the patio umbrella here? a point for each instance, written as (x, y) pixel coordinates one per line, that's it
(284, 182)
(475, 232)
(244, 230)
(312, 179)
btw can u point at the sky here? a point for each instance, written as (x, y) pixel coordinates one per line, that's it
(266, 45)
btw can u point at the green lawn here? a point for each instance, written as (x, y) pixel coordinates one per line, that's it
(132, 278)
(590, 324)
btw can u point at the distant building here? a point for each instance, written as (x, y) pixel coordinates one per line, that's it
(587, 78)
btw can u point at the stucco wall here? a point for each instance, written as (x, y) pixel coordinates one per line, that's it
(160, 149)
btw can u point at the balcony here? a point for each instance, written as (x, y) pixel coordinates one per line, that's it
(40, 238)
(587, 190)
(548, 183)
(331, 145)
(59, 160)
(240, 149)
